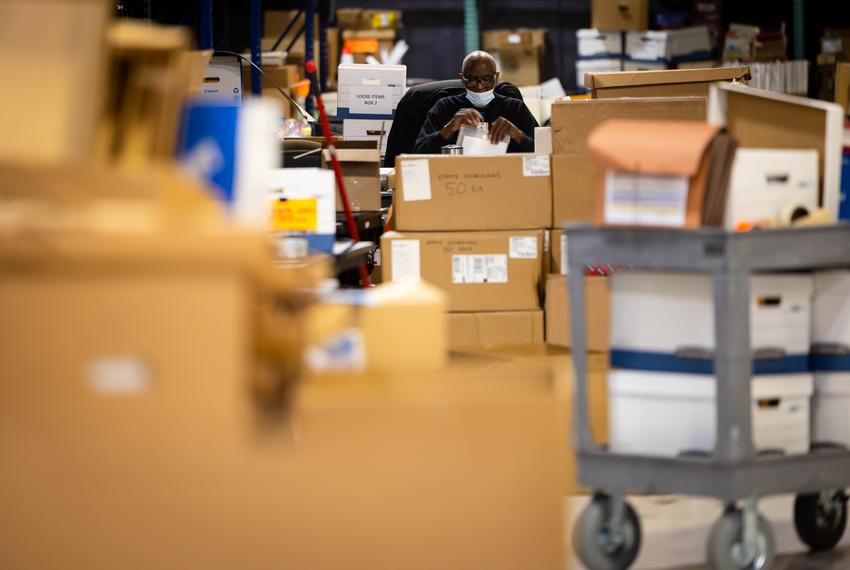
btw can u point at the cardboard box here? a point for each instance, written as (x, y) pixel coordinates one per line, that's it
(620, 14)
(761, 119)
(56, 104)
(364, 43)
(437, 192)
(520, 64)
(597, 316)
(653, 173)
(364, 19)
(493, 329)
(494, 40)
(481, 271)
(392, 328)
(370, 91)
(361, 172)
(558, 254)
(668, 83)
(573, 121)
(276, 76)
(573, 189)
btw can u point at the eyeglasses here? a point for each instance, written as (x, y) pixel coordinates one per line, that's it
(481, 80)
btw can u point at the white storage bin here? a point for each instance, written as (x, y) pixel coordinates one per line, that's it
(588, 65)
(670, 312)
(662, 414)
(764, 181)
(596, 43)
(669, 44)
(630, 65)
(831, 309)
(831, 408)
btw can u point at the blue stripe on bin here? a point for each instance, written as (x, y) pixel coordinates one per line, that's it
(831, 362)
(666, 362)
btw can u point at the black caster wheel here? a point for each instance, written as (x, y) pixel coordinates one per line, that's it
(726, 548)
(820, 519)
(597, 545)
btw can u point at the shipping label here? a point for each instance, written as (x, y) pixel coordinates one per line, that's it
(480, 268)
(523, 247)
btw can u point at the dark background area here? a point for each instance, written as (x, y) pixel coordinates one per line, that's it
(434, 29)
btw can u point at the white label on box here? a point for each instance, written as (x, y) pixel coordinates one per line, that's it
(415, 180)
(523, 247)
(480, 268)
(645, 199)
(535, 165)
(565, 256)
(372, 100)
(514, 38)
(119, 375)
(405, 259)
(376, 257)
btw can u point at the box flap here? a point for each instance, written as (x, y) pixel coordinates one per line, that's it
(354, 155)
(673, 148)
(601, 80)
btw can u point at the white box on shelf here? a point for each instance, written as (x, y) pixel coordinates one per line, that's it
(664, 414)
(669, 45)
(369, 91)
(589, 65)
(768, 183)
(831, 310)
(596, 43)
(671, 313)
(639, 65)
(831, 408)
(367, 130)
(764, 119)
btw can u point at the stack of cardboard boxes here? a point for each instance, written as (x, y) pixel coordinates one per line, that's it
(474, 226)
(367, 33)
(519, 53)
(620, 40)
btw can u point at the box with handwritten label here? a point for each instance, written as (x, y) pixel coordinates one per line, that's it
(481, 271)
(437, 193)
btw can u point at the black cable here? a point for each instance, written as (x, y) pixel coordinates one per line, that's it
(308, 117)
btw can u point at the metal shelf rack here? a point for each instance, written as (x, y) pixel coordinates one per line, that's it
(734, 472)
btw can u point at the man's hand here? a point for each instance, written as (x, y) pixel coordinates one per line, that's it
(502, 127)
(467, 116)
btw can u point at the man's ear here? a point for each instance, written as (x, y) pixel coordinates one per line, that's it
(496, 82)
(460, 76)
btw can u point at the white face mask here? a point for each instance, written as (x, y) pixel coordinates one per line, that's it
(480, 99)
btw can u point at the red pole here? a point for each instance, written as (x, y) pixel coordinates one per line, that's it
(310, 67)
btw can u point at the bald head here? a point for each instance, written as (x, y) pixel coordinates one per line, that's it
(479, 59)
(479, 72)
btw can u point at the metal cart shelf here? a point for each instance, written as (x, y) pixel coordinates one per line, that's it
(734, 472)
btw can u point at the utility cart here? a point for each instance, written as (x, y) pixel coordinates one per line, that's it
(607, 534)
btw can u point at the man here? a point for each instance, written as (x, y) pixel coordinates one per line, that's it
(506, 116)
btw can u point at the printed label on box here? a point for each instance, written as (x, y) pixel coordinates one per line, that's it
(376, 257)
(416, 180)
(371, 100)
(645, 199)
(523, 247)
(537, 165)
(480, 268)
(405, 260)
(565, 256)
(294, 215)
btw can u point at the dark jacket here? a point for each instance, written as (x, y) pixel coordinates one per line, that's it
(429, 140)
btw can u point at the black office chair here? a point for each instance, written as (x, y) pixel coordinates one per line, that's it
(414, 106)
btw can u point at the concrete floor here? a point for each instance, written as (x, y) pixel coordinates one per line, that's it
(675, 530)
